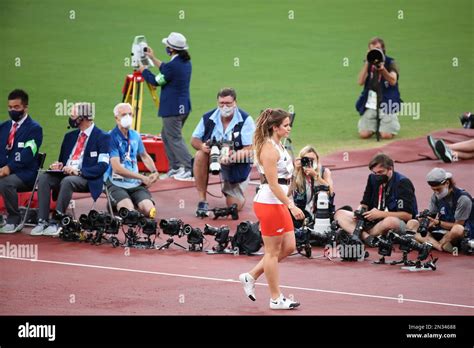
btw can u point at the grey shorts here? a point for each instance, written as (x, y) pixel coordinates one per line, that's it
(235, 190)
(135, 194)
(388, 123)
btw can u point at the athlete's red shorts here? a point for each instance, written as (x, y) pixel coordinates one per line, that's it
(275, 219)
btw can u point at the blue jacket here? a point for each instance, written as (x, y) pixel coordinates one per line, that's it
(174, 97)
(390, 94)
(22, 159)
(96, 157)
(399, 196)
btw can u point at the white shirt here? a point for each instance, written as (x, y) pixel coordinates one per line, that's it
(19, 123)
(284, 171)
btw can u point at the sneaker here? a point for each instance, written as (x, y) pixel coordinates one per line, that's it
(202, 209)
(283, 303)
(444, 151)
(184, 176)
(432, 144)
(249, 285)
(11, 228)
(173, 172)
(38, 230)
(52, 230)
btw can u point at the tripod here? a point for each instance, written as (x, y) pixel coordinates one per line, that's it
(132, 92)
(170, 241)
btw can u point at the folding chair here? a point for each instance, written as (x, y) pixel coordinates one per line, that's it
(41, 159)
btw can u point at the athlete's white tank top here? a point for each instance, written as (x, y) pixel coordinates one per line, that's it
(284, 170)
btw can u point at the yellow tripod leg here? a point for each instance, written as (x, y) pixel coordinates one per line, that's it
(154, 95)
(139, 106)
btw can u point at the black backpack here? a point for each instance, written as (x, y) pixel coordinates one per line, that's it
(248, 239)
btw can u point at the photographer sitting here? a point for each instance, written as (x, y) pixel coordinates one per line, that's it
(309, 174)
(82, 162)
(382, 77)
(127, 187)
(227, 122)
(389, 200)
(450, 212)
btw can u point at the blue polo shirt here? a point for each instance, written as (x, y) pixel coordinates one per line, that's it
(127, 149)
(247, 130)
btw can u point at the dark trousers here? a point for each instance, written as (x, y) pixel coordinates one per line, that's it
(175, 147)
(63, 185)
(9, 186)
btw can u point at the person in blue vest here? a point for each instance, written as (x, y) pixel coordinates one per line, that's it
(451, 212)
(390, 98)
(227, 123)
(20, 140)
(175, 102)
(127, 187)
(83, 160)
(389, 199)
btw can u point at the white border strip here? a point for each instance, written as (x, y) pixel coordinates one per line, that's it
(236, 281)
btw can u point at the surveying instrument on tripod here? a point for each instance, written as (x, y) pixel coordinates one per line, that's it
(132, 90)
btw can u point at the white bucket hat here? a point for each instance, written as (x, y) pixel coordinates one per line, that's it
(176, 41)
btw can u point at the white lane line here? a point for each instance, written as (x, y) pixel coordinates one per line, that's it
(236, 281)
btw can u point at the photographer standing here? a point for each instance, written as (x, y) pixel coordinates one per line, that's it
(382, 79)
(175, 101)
(389, 200)
(227, 123)
(309, 174)
(272, 206)
(452, 208)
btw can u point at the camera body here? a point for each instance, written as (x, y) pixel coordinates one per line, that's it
(70, 229)
(424, 222)
(172, 227)
(218, 149)
(306, 162)
(408, 243)
(195, 237)
(233, 211)
(221, 234)
(139, 47)
(360, 221)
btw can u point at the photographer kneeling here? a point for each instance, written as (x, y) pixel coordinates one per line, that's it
(452, 208)
(389, 202)
(310, 175)
(226, 123)
(127, 187)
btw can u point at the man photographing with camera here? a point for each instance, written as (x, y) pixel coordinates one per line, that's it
(379, 76)
(231, 126)
(388, 203)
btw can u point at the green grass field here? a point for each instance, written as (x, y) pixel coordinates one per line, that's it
(282, 61)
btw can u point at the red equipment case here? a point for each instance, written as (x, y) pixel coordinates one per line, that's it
(156, 149)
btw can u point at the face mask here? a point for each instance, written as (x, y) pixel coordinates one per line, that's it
(75, 123)
(168, 51)
(16, 115)
(126, 121)
(227, 111)
(381, 179)
(442, 194)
